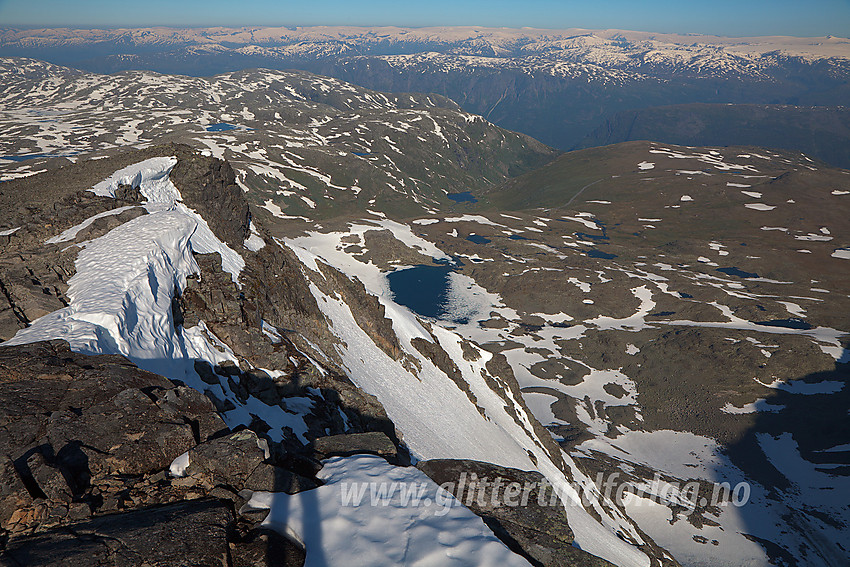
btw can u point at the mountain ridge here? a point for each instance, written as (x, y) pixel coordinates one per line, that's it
(575, 78)
(818, 131)
(246, 35)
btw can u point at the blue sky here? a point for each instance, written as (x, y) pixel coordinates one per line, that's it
(718, 17)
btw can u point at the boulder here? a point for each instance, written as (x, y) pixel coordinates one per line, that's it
(229, 460)
(89, 434)
(179, 535)
(269, 478)
(345, 445)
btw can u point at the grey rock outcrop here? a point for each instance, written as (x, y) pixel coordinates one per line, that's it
(371, 443)
(208, 185)
(178, 535)
(86, 446)
(529, 521)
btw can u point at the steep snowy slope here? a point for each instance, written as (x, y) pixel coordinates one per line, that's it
(452, 404)
(674, 316)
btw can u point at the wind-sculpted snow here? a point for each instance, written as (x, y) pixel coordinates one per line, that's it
(150, 176)
(121, 294)
(121, 298)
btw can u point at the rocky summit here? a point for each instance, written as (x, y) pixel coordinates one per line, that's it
(274, 318)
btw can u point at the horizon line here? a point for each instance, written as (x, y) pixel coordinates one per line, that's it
(115, 27)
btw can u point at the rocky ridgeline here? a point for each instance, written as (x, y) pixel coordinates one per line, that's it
(103, 463)
(34, 276)
(86, 474)
(87, 437)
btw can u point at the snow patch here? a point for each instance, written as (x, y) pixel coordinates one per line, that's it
(179, 465)
(254, 242)
(760, 405)
(582, 218)
(804, 388)
(634, 322)
(150, 175)
(416, 523)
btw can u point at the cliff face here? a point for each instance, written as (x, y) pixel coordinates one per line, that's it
(87, 437)
(208, 186)
(236, 377)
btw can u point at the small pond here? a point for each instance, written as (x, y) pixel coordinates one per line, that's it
(26, 157)
(599, 254)
(733, 271)
(793, 323)
(221, 127)
(422, 289)
(465, 197)
(478, 239)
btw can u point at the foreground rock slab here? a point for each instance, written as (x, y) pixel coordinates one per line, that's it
(177, 535)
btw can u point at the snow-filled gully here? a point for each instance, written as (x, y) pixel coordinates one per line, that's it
(428, 407)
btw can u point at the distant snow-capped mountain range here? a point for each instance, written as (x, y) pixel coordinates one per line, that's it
(553, 50)
(555, 85)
